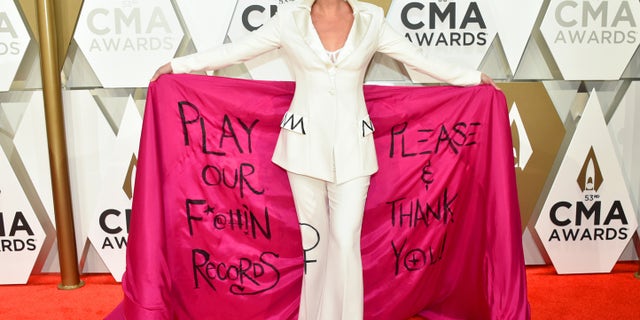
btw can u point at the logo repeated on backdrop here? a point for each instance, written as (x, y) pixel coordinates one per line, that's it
(249, 16)
(459, 32)
(588, 218)
(581, 33)
(14, 39)
(126, 41)
(21, 235)
(90, 141)
(590, 177)
(110, 230)
(534, 147)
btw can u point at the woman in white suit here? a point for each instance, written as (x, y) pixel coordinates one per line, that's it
(325, 143)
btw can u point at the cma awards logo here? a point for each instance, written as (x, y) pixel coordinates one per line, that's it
(14, 39)
(126, 41)
(443, 23)
(10, 43)
(253, 13)
(113, 222)
(590, 218)
(256, 9)
(458, 32)
(21, 235)
(585, 22)
(16, 234)
(580, 33)
(129, 28)
(109, 230)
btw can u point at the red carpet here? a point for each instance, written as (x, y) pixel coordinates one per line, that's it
(598, 296)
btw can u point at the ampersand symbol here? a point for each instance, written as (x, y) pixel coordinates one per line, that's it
(427, 175)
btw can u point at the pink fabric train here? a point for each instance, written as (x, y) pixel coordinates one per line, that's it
(214, 234)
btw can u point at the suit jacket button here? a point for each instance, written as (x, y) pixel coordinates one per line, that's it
(332, 91)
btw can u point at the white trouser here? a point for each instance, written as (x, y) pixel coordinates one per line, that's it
(330, 217)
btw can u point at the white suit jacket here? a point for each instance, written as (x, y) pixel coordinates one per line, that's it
(326, 133)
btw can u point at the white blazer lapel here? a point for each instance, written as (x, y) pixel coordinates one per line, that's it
(361, 23)
(302, 19)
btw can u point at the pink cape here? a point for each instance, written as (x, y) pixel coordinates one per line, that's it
(214, 234)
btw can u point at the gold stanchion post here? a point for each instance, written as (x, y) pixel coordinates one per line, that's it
(51, 87)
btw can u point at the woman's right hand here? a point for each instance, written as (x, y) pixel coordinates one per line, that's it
(485, 79)
(165, 68)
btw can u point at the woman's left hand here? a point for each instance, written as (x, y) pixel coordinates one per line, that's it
(485, 79)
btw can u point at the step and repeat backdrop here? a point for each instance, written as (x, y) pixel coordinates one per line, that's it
(570, 71)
